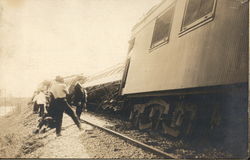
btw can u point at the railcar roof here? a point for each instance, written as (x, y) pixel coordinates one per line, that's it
(111, 74)
(144, 17)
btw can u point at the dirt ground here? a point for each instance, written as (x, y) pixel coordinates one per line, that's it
(66, 146)
(18, 141)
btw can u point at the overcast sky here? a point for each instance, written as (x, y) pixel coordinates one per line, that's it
(40, 39)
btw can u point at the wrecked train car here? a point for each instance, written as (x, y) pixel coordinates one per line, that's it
(187, 70)
(103, 89)
(71, 81)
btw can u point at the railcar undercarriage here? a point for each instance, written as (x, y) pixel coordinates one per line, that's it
(221, 117)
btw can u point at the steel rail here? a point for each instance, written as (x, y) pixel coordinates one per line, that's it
(135, 142)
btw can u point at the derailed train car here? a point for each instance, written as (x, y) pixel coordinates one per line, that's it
(187, 70)
(103, 89)
(71, 81)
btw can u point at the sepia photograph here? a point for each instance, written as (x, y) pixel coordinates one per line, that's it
(124, 79)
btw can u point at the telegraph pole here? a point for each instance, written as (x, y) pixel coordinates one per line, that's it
(5, 101)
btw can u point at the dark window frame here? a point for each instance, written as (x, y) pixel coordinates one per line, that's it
(197, 23)
(165, 39)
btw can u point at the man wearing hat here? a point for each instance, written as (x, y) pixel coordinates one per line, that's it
(60, 105)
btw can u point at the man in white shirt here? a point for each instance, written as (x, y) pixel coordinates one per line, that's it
(40, 100)
(60, 105)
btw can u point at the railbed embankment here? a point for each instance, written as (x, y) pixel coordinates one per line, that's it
(16, 128)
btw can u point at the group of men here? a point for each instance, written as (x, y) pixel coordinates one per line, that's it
(56, 101)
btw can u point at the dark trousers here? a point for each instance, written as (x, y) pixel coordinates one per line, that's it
(35, 107)
(79, 109)
(41, 107)
(60, 105)
(46, 120)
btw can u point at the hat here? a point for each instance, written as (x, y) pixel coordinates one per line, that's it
(59, 79)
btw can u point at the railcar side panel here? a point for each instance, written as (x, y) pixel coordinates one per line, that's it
(215, 53)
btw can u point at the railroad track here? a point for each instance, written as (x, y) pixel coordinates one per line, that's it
(133, 141)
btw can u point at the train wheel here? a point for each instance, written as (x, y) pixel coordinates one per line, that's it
(152, 115)
(144, 121)
(134, 118)
(156, 117)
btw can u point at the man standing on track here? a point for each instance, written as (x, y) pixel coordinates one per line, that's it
(78, 99)
(60, 105)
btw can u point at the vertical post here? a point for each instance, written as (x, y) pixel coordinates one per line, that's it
(5, 107)
(18, 109)
(248, 82)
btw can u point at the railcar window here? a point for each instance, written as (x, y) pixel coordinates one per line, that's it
(196, 12)
(162, 28)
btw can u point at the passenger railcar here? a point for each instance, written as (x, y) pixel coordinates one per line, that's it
(189, 44)
(187, 69)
